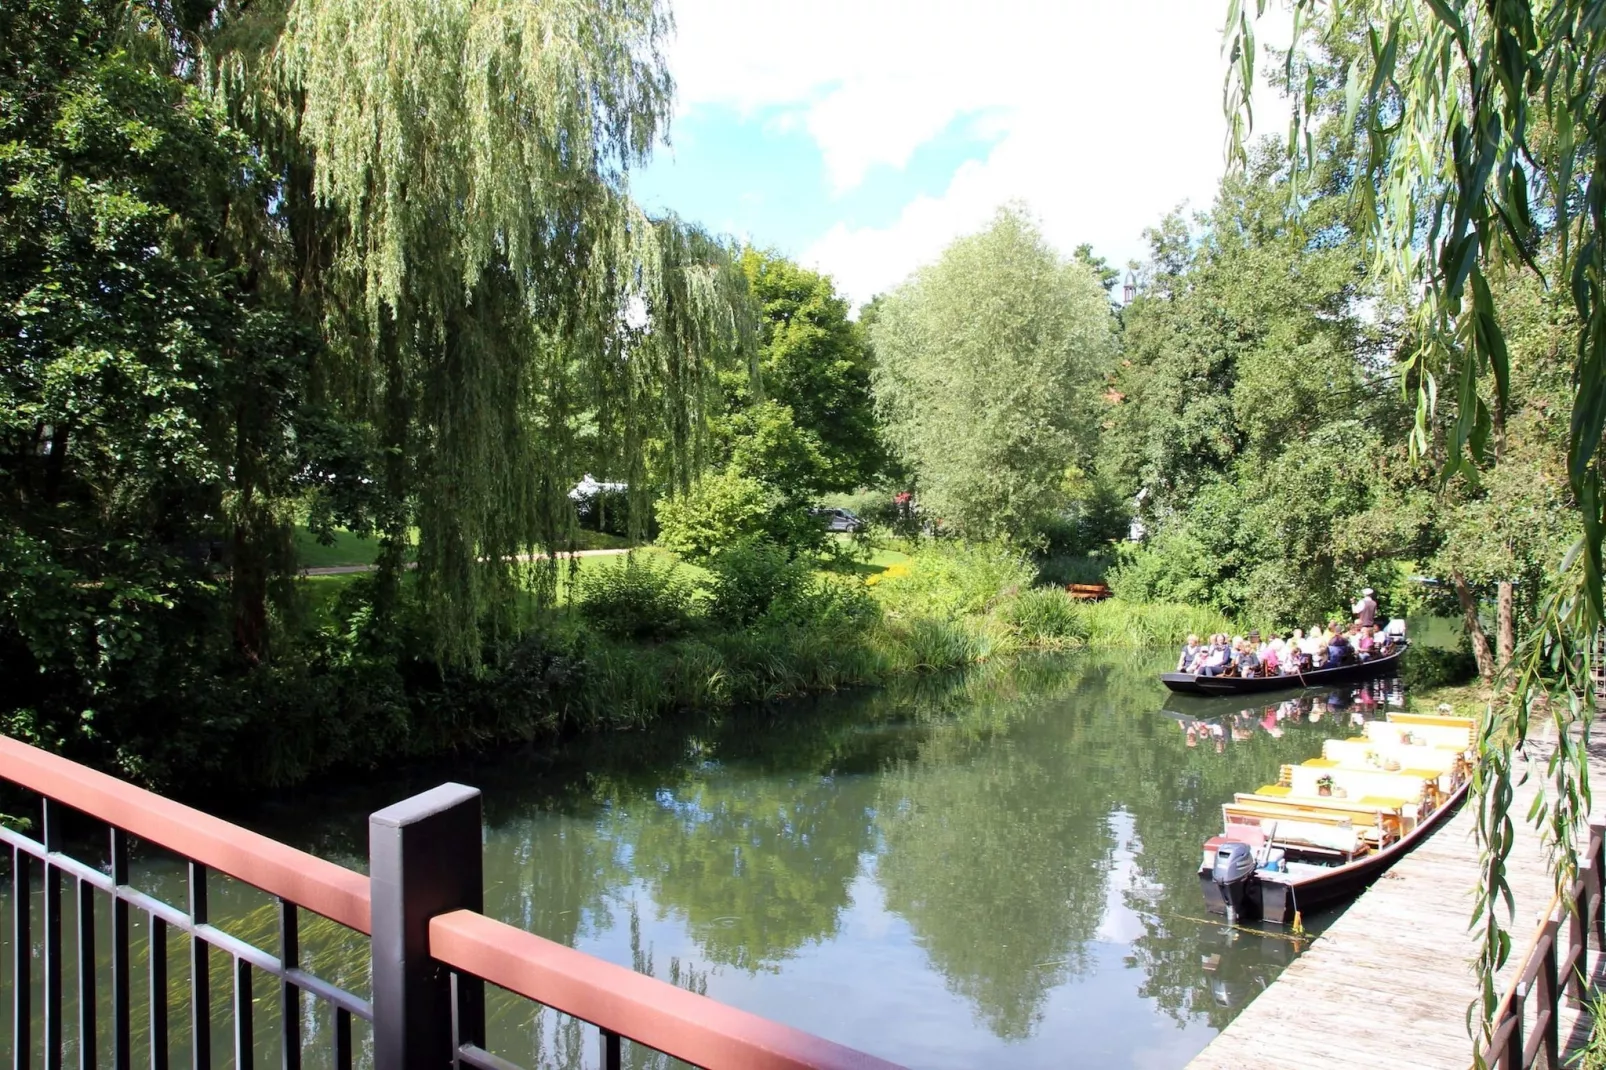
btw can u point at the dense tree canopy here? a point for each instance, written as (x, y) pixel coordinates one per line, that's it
(366, 264)
(985, 373)
(813, 360)
(1474, 132)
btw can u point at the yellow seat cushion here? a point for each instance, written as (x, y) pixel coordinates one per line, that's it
(1320, 763)
(1425, 774)
(1273, 789)
(1382, 802)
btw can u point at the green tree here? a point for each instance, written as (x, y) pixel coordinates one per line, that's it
(813, 360)
(985, 363)
(366, 263)
(148, 374)
(1108, 276)
(1474, 135)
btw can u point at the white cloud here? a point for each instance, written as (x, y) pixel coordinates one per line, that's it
(1108, 113)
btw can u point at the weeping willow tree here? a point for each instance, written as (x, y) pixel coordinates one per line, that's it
(1475, 132)
(454, 208)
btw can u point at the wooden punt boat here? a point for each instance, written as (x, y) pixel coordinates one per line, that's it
(1188, 683)
(1287, 849)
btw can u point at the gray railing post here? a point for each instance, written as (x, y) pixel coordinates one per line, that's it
(424, 859)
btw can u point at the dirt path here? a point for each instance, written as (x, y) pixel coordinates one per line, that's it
(348, 570)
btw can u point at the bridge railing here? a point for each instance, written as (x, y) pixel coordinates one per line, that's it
(431, 949)
(1551, 970)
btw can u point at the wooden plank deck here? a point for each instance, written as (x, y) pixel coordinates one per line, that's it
(1389, 982)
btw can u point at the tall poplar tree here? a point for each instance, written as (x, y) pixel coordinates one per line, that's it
(984, 366)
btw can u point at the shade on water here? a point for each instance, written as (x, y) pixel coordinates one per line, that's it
(991, 868)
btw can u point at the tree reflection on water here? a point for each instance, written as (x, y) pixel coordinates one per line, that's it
(1008, 833)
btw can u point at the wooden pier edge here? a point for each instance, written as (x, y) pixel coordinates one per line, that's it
(1390, 981)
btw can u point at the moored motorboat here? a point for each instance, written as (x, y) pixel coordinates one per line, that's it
(1188, 683)
(1334, 824)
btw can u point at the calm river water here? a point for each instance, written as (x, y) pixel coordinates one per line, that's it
(984, 870)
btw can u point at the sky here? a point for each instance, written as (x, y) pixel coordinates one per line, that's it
(863, 137)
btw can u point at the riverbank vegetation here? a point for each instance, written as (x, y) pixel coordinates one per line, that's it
(234, 351)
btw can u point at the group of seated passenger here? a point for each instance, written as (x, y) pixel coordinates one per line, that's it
(1323, 647)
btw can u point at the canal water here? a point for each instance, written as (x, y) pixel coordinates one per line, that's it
(987, 869)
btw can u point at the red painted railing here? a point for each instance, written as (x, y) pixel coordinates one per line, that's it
(420, 908)
(1549, 970)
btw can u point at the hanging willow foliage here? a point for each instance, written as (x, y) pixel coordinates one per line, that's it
(1477, 129)
(488, 289)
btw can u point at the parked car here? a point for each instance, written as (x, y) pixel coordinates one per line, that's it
(838, 519)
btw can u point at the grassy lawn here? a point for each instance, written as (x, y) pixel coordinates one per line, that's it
(348, 549)
(351, 550)
(1463, 700)
(880, 561)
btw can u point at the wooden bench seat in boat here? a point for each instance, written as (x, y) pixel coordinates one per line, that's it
(1273, 792)
(1316, 802)
(1417, 787)
(1368, 753)
(1435, 732)
(1329, 832)
(1385, 820)
(1432, 719)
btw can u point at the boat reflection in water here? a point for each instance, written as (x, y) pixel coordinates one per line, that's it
(1239, 962)
(1204, 724)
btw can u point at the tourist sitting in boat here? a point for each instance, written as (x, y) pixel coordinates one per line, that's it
(1247, 660)
(1313, 647)
(1299, 655)
(1271, 656)
(1365, 643)
(1216, 659)
(1338, 649)
(1389, 641)
(1191, 652)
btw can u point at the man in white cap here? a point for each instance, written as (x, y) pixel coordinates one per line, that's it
(1366, 609)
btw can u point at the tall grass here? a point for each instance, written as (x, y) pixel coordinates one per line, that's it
(1113, 623)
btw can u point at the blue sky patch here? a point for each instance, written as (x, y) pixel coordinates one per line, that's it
(760, 175)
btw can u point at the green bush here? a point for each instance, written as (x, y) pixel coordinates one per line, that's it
(1061, 569)
(727, 508)
(927, 645)
(759, 581)
(753, 577)
(1045, 616)
(1117, 623)
(1428, 666)
(641, 596)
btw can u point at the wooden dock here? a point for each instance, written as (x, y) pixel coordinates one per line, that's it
(1389, 983)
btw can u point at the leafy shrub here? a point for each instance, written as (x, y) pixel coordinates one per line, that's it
(833, 602)
(1045, 615)
(1428, 666)
(640, 597)
(727, 508)
(1061, 569)
(928, 645)
(750, 578)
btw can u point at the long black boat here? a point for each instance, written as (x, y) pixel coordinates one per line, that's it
(1188, 683)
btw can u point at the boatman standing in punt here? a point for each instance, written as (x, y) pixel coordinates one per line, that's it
(1366, 609)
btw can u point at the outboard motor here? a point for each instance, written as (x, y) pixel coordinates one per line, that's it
(1234, 868)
